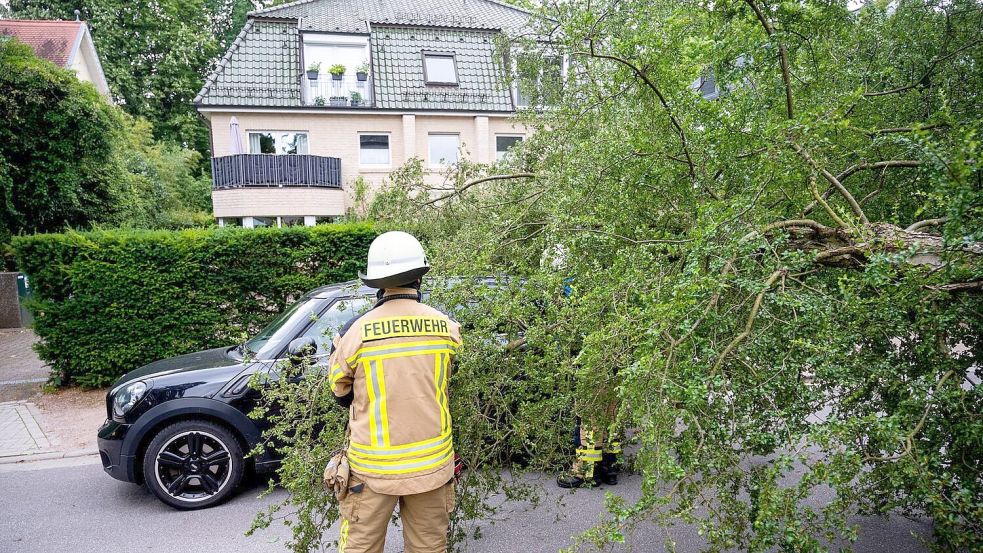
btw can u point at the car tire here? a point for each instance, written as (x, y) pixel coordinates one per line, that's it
(193, 464)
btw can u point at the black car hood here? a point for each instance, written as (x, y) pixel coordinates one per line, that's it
(207, 359)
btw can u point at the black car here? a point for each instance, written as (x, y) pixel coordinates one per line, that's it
(180, 425)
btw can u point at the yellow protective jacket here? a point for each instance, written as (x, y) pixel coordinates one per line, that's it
(396, 360)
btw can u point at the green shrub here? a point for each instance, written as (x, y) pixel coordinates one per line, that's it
(107, 302)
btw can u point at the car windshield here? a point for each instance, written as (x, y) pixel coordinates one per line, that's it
(274, 333)
(343, 310)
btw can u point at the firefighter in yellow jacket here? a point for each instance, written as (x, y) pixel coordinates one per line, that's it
(390, 367)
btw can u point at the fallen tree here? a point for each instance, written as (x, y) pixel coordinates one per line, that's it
(775, 275)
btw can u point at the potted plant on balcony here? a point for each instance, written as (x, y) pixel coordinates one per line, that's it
(362, 72)
(313, 70)
(319, 101)
(337, 71)
(356, 99)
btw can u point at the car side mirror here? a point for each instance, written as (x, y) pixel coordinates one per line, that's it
(305, 346)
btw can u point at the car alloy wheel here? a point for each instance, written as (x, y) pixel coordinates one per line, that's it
(193, 464)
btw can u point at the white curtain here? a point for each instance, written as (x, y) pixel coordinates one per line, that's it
(254, 145)
(301, 142)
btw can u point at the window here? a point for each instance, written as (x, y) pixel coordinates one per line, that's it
(324, 329)
(439, 68)
(706, 86)
(503, 143)
(539, 80)
(292, 221)
(443, 149)
(373, 149)
(278, 142)
(263, 222)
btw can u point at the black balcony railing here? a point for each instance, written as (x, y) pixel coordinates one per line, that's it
(241, 170)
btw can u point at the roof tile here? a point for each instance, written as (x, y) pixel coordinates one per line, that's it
(51, 40)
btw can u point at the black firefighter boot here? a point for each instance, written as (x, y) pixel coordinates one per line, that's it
(568, 481)
(582, 474)
(607, 470)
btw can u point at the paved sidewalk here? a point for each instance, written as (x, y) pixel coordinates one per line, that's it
(20, 430)
(18, 362)
(21, 372)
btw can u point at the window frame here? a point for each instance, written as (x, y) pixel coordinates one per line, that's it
(389, 149)
(250, 132)
(512, 61)
(436, 163)
(438, 54)
(521, 138)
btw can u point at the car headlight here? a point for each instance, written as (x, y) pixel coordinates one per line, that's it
(126, 397)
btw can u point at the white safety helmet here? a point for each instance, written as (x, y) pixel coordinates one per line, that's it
(395, 259)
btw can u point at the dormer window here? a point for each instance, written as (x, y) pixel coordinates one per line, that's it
(439, 68)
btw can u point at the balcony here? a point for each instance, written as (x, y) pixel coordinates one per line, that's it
(329, 92)
(268, 170)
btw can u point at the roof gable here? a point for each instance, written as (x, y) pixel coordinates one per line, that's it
(55, 41)
(263, 65)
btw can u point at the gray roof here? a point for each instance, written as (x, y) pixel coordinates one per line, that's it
(349, 16)
(397, 63)
(262, 66)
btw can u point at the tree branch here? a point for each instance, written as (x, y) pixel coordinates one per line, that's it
(625, 238)
(969, 287)
(815, 194)
(928, 72)
(856, 256)
(662, 100)
(892, 130)
(480, 180)
(750, 321)
(857, 210)
(859, 167)
(783, 58)
(818, 228)
(926, 223)
(910, 438)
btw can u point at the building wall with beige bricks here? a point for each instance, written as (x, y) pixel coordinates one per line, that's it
(336, 134)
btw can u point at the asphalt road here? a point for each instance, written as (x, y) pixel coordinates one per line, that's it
(47, 507)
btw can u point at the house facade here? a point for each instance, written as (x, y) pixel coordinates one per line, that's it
(67, 44)
(314, 95)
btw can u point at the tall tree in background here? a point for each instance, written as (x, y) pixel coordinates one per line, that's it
(69, 159)
(155, 54)
(57, 147)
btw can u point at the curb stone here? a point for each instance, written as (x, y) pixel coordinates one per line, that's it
(48, 456)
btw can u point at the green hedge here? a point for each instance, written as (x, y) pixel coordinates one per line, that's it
(107, 302)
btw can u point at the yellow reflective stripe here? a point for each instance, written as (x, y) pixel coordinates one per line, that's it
(336, 373)
(404, 451)
(415, 466)
(421, 347)
(438, 371)
(401, 449)
(375, 382)
(589, 454)
(443, 395)
(373, 429)
(389, 463)
(343, 538)
(383, 403)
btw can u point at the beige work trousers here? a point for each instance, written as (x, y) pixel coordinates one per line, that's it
(425, 518)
